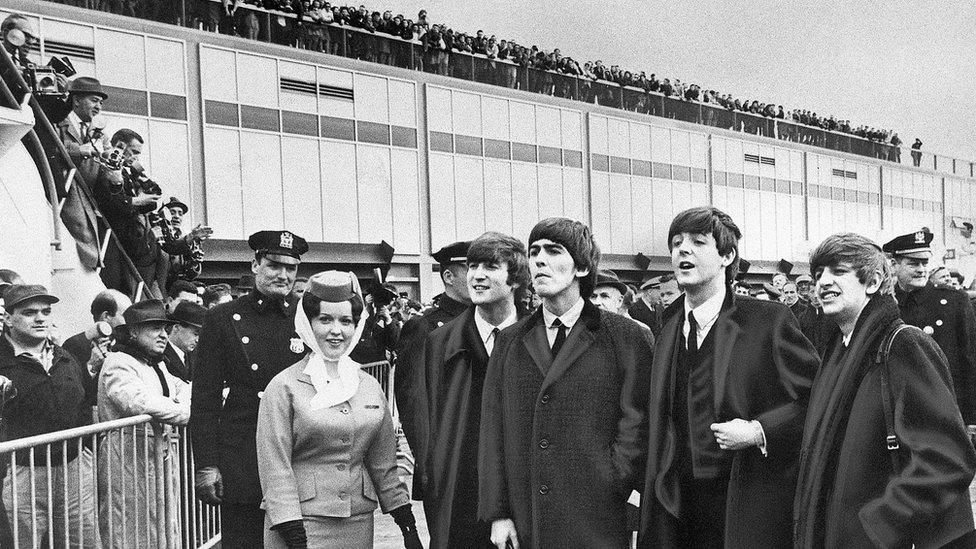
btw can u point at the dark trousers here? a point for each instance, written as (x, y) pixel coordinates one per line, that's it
(702, 524)
(241, 526)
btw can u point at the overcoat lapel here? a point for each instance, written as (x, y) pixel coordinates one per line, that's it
(727, 332)
(666, 486)
(537, 344)
(465, 338)
(578, 341)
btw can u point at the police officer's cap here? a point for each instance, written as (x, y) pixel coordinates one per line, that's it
(915, 245)
(452, 253)
(281, 246)
(651, 283)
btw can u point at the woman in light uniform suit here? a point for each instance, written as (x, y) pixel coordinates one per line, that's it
(325, 438)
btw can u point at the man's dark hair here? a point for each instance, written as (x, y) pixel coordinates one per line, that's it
(179, 286)
(126, 136)
(104, 302)
(493, 247)
(958, 276)
(576, 237)
(214, 292)
(713, 221)
(857, 252)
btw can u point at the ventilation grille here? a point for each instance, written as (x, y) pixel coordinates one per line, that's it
(846, 174)
(53, 47)
(756, 159)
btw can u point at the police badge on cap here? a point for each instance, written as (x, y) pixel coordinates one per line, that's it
(915, 245)
(281, 246)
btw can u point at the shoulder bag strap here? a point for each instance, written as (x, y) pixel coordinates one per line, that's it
(887, 397)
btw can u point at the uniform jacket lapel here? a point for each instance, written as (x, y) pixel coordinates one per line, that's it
(536, 342)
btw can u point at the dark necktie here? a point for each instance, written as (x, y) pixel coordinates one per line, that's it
(83, 131)
(560, 337)
(692, 334)
(157, 367)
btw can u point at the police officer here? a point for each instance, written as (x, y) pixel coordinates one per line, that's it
(943, 313)
(408, 374)
(243, 345)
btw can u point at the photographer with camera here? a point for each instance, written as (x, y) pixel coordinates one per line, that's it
(80, 132)
(128, 199)
(186, 252)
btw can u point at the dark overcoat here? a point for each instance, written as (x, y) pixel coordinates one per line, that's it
(408, 380)
(243, 345)
(847, 494)
(764, 367)
(456, 362)
(562, 440)
(948, 317)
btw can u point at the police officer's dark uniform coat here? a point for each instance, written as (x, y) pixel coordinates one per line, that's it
(948, 317)
(763, 370)
(244, 343)
(456, 362)
(408, 380)
(848, 493)
(562, 439)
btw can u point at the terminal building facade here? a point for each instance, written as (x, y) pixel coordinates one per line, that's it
(350, 154)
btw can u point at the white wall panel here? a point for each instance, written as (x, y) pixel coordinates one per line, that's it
(466, 110)
(600, 207)
(640, 141)
(165, 66)
(796, 166)
(439, 110)
(375, 196)
(261, 177)
(522, 120)
(340, 199)
(572, 129)
(371, 98)
(749, 168)
(442, 213)
(293, 101)
(734, 162)
(621, 215)
(302, 190)
(661, 213)
(469, 197)
(330, 106)
(498, 187)
(548, 126)
(257, 80)
(680, 148)
(660, 145)
(699, 150)
(71, 33)
(550, 191)
(644, 234)
(219, 74)
(403, 103)
(225, 207)
(171, 165)
(525, 198)
(574, 195)
(495, 124)
(598, 135)
(618, 141)
(406, 204)
(718, 155)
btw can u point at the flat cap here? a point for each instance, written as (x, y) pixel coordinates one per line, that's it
(15, 294)
(804, 278)
(281, 246)
(452, 253)
(915, 245)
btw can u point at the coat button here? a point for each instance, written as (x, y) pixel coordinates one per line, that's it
(341, 467)
(260, 394)
(345, 410)
(344, 440)
(944, 302)
(254, 367)
(245, 340)
(544, 489)
(938, 322)
(545, 398)
(342, 495)
(236, 316)
(544, 443)
(929, 330)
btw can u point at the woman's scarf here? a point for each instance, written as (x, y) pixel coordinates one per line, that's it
(329, 391)
(829, 410)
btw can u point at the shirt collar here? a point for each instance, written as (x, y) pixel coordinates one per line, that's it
(568, 318)
(179, 352)
(75, 121)
(485, 328)
(707, 312)
(45, 357)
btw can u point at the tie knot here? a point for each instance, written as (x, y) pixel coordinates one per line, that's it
(557, 323)
(691, 318)
(494, 331)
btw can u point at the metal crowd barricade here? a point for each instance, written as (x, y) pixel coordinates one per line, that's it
(126, 483)
(383, 372)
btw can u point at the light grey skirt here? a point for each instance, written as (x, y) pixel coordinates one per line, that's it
(355, 532)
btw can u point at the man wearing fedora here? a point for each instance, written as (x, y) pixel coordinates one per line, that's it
(84, 142)
(243, 344)
(185, 253)
(183, 338)
(46, 393)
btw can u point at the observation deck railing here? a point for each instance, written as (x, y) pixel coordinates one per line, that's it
(345, 41)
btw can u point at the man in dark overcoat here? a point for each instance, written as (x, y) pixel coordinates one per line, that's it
(408, 384)
(456, 359)
(728, 397)
(244, 343)
(564, 408)
(871, 476)
(943, 313)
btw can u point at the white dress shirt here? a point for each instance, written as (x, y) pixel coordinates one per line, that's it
(569, 319)
(486, 330)
(705, 315)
